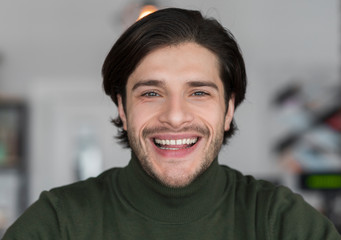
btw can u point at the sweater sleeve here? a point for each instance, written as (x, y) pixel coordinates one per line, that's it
(39, 221)
(290, 217)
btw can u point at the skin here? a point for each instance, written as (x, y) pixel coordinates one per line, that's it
(176, 93)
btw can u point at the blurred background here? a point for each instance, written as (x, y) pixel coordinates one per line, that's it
(55, 118)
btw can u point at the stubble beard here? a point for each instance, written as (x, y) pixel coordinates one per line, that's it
(181, 180)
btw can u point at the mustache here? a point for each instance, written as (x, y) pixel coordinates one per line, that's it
(194, 128)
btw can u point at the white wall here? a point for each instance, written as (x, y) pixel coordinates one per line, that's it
(53, 52)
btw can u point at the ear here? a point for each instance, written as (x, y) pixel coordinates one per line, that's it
(229, 113)
(121, 112)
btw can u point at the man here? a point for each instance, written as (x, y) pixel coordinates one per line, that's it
(176, 78)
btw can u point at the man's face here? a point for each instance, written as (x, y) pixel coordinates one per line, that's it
(175, 112)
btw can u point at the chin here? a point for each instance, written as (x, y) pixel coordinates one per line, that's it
(177, 173)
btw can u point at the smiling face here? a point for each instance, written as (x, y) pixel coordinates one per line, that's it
(175, 112)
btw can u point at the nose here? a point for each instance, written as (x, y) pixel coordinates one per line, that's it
(176, 112)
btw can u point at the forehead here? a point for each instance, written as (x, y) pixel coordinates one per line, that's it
(178, 63)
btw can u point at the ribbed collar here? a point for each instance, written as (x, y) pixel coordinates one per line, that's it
(172, 205)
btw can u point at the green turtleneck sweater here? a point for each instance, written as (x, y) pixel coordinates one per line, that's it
(125, 203)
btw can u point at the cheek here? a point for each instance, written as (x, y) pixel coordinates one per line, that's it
(139, 116)
(212, 116)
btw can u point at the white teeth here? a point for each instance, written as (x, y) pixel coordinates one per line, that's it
(177, 141)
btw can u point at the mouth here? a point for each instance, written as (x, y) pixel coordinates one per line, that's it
(175, 144)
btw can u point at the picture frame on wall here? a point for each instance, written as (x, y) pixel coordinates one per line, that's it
(13, 161)
(12, 121)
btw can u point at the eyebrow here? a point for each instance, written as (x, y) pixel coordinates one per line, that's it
(158, 83)
(155, 83)
(203, 84)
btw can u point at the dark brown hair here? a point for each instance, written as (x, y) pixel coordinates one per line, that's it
(167, 27)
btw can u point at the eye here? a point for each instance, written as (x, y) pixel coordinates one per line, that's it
(200, 93)
(150, 94)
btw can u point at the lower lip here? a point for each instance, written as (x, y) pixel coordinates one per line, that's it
(180, 153)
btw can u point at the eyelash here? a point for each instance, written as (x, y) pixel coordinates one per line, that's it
(200, 93)
(155, 94)
(150, 94)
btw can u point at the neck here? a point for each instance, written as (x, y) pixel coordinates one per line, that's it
(164, 203)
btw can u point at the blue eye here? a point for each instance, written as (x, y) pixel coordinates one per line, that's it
(150, 94)
(199, 93)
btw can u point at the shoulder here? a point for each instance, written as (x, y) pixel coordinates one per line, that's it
(77, 204)
(82, 193)
(66, 210)
(247, 184)
(282, 213)
(272, 199)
